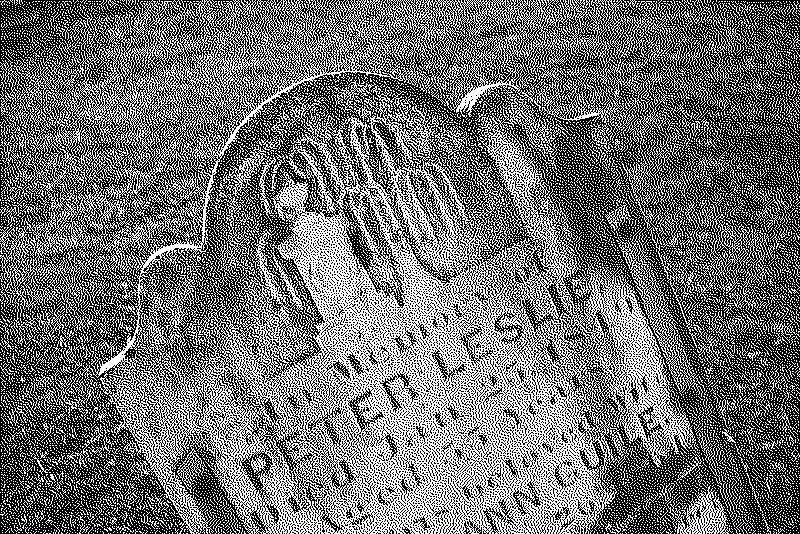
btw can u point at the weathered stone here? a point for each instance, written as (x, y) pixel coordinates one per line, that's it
(404, 319)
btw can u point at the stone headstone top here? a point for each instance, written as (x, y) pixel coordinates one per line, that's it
(404, 318)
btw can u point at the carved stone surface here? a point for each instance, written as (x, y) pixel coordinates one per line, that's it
(404, 319)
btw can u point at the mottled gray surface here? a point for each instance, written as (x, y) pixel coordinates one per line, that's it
(113, 118)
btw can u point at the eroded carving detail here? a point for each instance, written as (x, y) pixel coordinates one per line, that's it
(366, 175)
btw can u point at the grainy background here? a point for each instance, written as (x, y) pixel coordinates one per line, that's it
(113, 115)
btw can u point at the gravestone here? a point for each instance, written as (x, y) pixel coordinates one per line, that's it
(406, 319)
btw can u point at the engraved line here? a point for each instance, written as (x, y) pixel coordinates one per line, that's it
(426, 196)
(449, 194)
(412, 212)
(314, 179)
(286, 284)
(378, 226)
(342, 177)
(318, 200)
(446, 218)
(326, 169)
(300, 291)
(394, 144)
(297, 174)
(383, 146)
(354, 204)
(267, 181)
(276, 291)
(387, 215)
(355, 140)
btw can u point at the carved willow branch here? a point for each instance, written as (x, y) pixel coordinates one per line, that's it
(367, 175)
